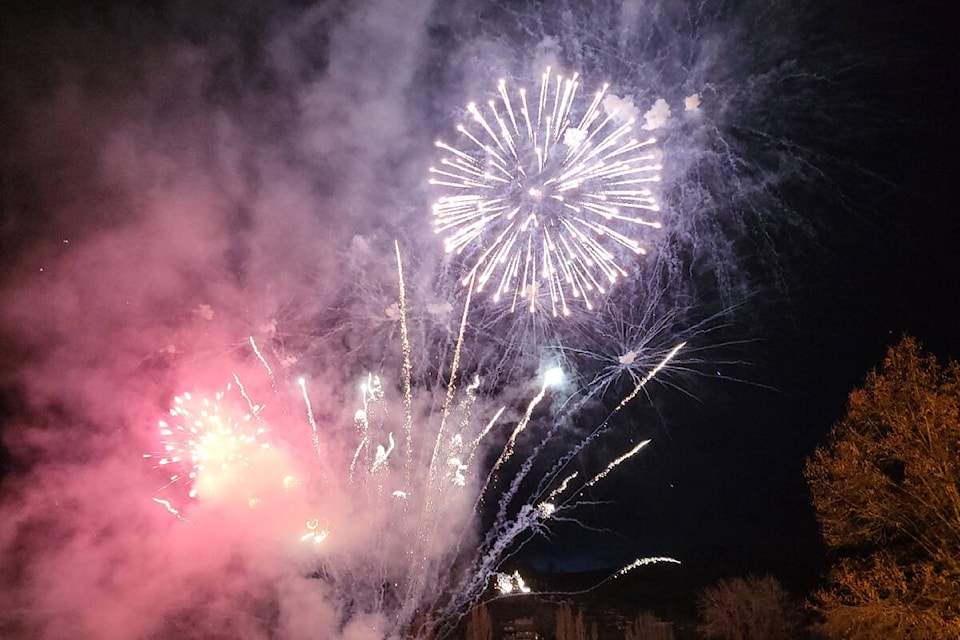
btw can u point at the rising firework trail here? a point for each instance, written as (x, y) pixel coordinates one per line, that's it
(542, 196)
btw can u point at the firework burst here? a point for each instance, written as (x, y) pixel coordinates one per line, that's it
(544, 195)
(206, 440)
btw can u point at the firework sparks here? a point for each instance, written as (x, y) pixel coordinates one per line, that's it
(511, 583)
(541, 205)
(205, 440)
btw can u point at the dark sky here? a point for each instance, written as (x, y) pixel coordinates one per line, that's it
(725, 488)
(175, 180)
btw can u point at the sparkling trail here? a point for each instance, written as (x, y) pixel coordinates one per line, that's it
(600, 476)
(407, 372)
(263, 361)
(313, 423)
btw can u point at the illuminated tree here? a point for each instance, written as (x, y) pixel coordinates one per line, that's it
(887, 493)
(480, 626)
(647, 626)
(751, 608)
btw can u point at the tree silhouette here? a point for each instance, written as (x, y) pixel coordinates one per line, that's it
(647, 626)
(480, 625)
(751, 608)
(569, 624)
(887, 494)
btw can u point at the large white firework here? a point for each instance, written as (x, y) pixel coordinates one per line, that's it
(543, 196)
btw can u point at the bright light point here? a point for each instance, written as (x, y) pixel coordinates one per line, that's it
(290, 482)
(553, 377)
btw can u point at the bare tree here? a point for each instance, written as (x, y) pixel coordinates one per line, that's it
(887, 493)
(647, 626)
(480, 626)
(569, 624)
(751, 608)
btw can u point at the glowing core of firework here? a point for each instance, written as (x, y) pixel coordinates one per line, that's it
(553, 377)
(540, 204)
(206, 439)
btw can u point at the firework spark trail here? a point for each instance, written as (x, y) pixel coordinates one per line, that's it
(451, 388)
(549, 478)
(254, 408)
(541, 203)
(550, 378)
(371, 395)
(639, 562)
(407, 373)
(610, 467)
(170, 508)
(429, 521)
(263, 361)
(529, 520)
(315, 434)
(562, 487)
(414, 588)
(483, 432)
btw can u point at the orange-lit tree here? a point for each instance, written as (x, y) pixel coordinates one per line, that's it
(887, 493)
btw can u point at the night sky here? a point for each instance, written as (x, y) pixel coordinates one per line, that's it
(174, 181)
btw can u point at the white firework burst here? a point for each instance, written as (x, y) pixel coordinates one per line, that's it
(544, 198)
